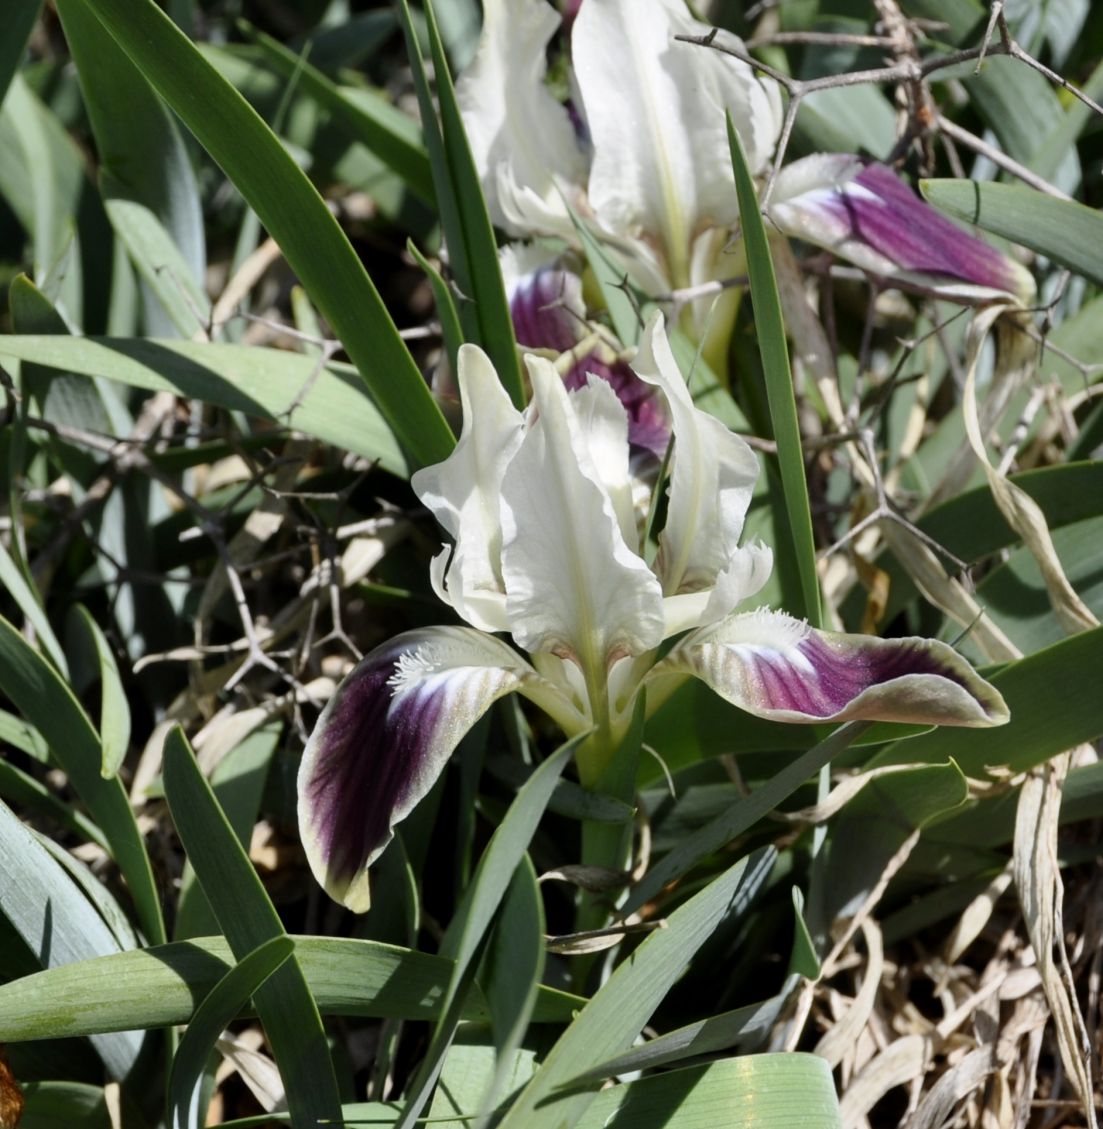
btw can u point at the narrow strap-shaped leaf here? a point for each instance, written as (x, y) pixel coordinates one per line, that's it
(158, 987)
(450, 327)
(114, 707)
(140, 149)
(17, 18)
(49, 705)
(611, 1021)
(1062, 230)
(223, 1004)
(247, 917)
(742, 815)
(512, 968)
(779, 380)
(388, 132)
(467, 931)
(463, 214)
(57, 922)
(291, 209)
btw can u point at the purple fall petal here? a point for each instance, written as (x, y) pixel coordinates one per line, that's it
(648, 420)
(774, 666)
(384, 738)
(548, 313)
(546, 308)
(864, 212)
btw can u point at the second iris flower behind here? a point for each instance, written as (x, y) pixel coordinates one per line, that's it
(548, 547)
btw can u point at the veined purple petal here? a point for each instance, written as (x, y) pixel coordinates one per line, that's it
(547, 310)
(774, 666)
(648, 419)
(866, 213)
(384, 738)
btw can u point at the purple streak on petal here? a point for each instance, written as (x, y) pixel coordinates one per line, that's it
(648, 422)
(894, 221)
(541, 318)
(368, 758)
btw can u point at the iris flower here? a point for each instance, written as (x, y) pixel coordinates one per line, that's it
(546, 548)
(640, 152)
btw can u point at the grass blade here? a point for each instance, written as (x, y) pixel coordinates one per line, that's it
(248, 919)
(49, 705)
(114, 707)
(294, 214)
(57, 922)
(779, 380)
(463, 214)
(161, 986)
(223, 1004)
(612, 1020)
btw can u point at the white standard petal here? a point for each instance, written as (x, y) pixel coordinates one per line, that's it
(712, 479)
(574, 587)
(464, 493)
(655, 109)
(521, 138)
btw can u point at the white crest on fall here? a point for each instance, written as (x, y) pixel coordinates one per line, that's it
(414, 667)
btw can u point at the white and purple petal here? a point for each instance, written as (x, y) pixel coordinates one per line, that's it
(384, 737)
(864, 212)
(545, 299)
(778, 667)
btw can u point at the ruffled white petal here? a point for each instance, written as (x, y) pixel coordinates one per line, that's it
(655, 110)
(521, 138)
(712, 479)
(574, 587)
(463, 493)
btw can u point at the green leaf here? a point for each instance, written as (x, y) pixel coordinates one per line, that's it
(390, 134)
(1062, 230)
(744, 814)
(794, 1091)
(114, 707)
(161, 986)
(144, 168)
(779, 380)
(1055, 704)
(292, 211)
(753, 1092)
(450, 327)
(46, 701)
(17, 19)
(57, 922)
(1015, 596)
(463, 214)
(611, 1021)
(872, 828)
(271, 384)
(222, 1005)
(62, 1105)
(18, 587)
(247, 917)
(237, 782)
(512, 969)
(482, 898)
